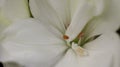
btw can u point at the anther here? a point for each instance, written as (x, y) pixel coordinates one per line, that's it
(65, 37)
(81, 35)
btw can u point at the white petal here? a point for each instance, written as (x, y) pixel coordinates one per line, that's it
(103, 52)
(69, 60)
(62, 8)
(97, 59)
(14, 9)
(108, 21)
(31, 44)
(83, 14)
(1, 3)
(65, 9)
(45, 12)
(74, 4)
(11, 10)
(3, 26)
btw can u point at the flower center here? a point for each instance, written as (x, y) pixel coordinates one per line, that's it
(75, 44)
(78, 43)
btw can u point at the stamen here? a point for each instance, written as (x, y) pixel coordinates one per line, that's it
(81, 35)
(65, 37)
(79, 50)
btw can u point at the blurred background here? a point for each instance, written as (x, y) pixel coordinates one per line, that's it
(118, 31)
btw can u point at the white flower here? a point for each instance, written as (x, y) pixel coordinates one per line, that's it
(11, 10)
(64, 33)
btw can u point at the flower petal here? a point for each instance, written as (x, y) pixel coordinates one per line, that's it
(104, 51)
(65, 9)
(31, 44)
(45, 12)
(108, 21)
(62, 8)
(57, 12)
(14, 9)
(11, 10)
(82, 15)
(69, 60)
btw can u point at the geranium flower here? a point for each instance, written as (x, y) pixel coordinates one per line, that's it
(64, 33)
